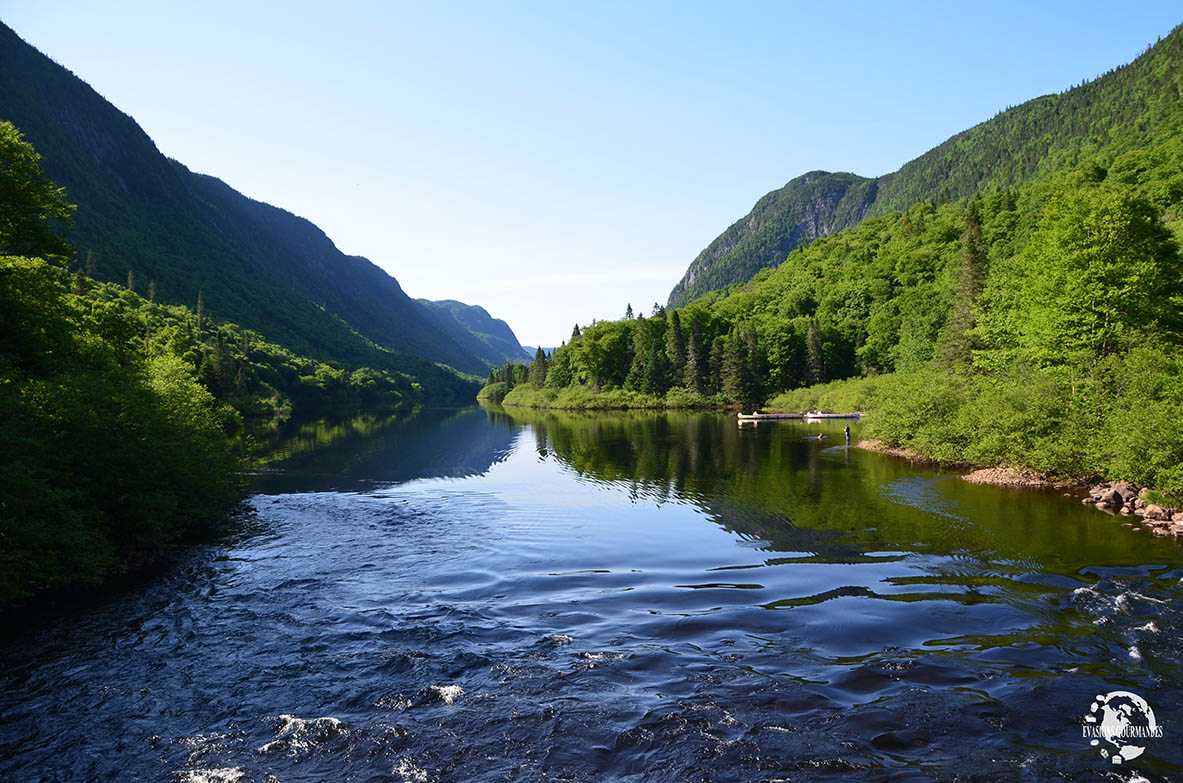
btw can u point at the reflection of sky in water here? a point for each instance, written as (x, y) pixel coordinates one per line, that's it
(645, 597)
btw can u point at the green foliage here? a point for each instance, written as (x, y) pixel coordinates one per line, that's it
(536, 374)
(254, 264)
(29, 202)
(528, 395)
(117, 412)
(1140, 399)
(488, 338)
(855, 394)
(1090, 126)
(1038, 326)
(110, 455)
(1100, 274)
(956, 344)
(558, 372)
(494, 391)
(779, 222)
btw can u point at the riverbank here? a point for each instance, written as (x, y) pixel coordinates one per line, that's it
(1113, 497)
(581, 398)
(1127, 499)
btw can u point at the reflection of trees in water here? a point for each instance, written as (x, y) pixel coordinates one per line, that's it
(275, 444)
(779, 484)
(364, 450)
(751, 482)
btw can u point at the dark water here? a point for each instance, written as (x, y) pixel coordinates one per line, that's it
(483, 596)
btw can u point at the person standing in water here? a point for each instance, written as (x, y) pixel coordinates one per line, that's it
(848, 433)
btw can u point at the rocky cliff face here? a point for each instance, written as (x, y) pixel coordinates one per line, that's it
(808, 207)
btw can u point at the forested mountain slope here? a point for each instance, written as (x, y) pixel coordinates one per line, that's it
(141, 214)
(1126, 108)
(498, 339)
(1040, 327)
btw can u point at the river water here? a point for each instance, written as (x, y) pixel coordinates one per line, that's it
(483, 596)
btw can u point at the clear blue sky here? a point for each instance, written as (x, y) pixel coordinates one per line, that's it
(554, 161)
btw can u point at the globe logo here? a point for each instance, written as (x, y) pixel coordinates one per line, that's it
(1121, 719)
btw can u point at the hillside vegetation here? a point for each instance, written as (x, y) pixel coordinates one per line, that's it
(1123, 110)
(145, 217)
(1039, 326)
(122, 417)
(498, 338)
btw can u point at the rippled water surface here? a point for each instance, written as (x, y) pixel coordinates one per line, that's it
(482, 595)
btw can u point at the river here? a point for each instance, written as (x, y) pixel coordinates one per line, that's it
(484, 595)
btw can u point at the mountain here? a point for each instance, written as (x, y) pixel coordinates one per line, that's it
(193, 235)
(803, 210)
(494, 334)
(1119, 110)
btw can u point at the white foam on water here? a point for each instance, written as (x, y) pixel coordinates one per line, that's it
(395, 702)
(1150, 627)
(1135, 653)
(202, 745)
(297, 734)
(408, 772)
(601, 656)
(448, 694)
(223, 775)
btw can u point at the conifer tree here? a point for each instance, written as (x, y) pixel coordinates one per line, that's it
(715, 382)
(815, 360)
(757, 364)
(675, 347)
(956, 343)
(697, 362)
(537, 371)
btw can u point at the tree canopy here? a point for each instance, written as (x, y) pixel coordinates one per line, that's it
(29, 202)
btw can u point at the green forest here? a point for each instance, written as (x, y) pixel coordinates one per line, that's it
(1128, 108)
(123, 419)
(1038, 326)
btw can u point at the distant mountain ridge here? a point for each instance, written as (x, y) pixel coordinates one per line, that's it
(1040, 136)
(192, 234)
(493, 332)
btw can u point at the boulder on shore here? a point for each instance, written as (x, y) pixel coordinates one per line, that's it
(1155, 511)
(1124, 488)
(1111, 498)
